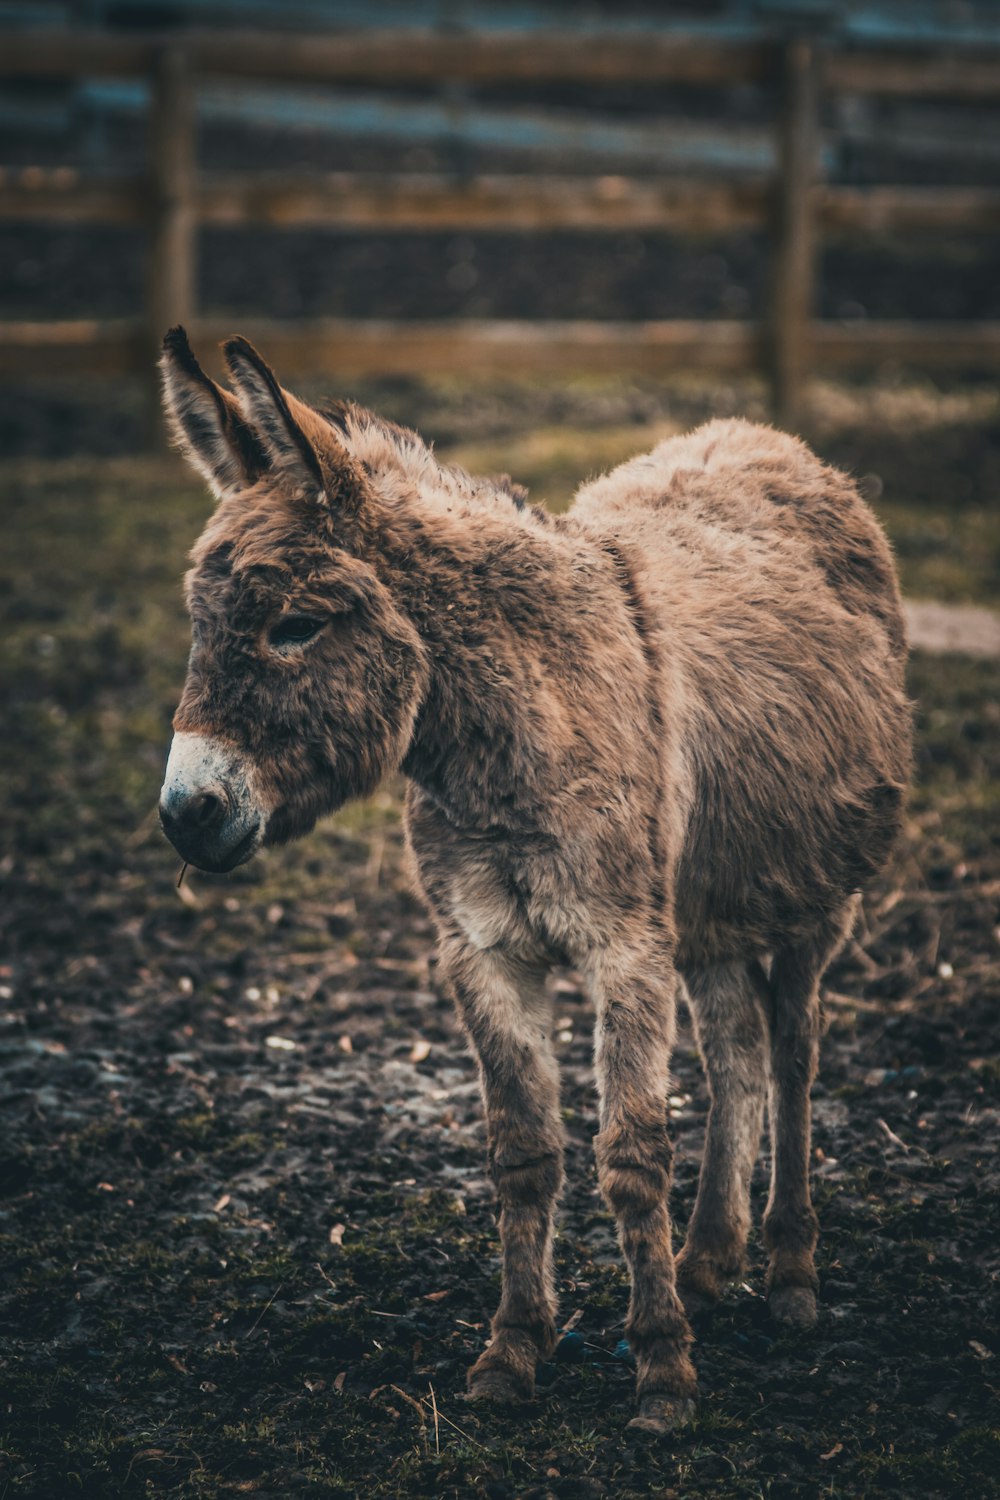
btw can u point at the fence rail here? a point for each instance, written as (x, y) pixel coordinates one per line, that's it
(397, 57)
(514, 201)
(393, 57)
(172, 199)
(374, 346)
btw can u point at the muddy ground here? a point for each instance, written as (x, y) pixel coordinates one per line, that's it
(247, 1241)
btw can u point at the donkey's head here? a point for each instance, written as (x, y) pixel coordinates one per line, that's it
(304, 678)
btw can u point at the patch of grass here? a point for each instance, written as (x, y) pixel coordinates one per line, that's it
(937, 1468)
(944, 551)
(956, 790)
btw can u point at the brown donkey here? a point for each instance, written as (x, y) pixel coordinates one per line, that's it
(663, 738)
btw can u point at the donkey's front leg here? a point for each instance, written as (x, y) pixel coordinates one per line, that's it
(635, 994)
(503, 1006)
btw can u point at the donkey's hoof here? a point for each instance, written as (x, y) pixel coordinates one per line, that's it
(793, 1306)
(699, 1286)
(496, 1387)
(662, 1414)
(696, 1299)
(702, 1281)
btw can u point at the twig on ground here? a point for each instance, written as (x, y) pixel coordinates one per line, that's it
(437, 1425)
(418, 1408)
(439, 1416)
(851, 1002)
(891, 1135)
(264, 1309)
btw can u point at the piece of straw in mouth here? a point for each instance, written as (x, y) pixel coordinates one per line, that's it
(180, 878)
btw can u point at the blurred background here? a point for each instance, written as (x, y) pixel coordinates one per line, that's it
(792, 189)
(244, 1221)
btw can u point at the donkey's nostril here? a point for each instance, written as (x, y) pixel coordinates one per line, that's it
(207, 810)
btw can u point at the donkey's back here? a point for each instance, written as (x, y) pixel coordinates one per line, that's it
(774, 601)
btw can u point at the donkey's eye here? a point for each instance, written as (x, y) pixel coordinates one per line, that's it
(293, 630)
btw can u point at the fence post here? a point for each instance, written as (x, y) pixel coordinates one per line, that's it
(172, 226)
(794, 247)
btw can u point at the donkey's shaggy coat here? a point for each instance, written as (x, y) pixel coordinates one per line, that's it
(662, 738)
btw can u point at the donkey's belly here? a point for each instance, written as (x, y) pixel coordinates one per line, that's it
(732, 919)
(772, 871)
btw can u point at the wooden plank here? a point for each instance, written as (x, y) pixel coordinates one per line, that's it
(959, 75)
(397, 201)
(423, 56)
(339, 348)
(54, 52)
(346, 347)
(794, 251)
(937, 345)
(62, 195)
(486, 57)
(78, 347)
(515, 202)
(370, 347)
(970, 210)
(396, 57)
(171, 269)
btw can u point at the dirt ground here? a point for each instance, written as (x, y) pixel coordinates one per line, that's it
(247, 1241)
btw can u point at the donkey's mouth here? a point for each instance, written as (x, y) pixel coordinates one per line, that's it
(243, 851)
(206, 853)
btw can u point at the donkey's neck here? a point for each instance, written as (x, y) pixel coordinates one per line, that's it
(489, 595)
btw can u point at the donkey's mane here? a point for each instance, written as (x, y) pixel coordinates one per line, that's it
(385, 447)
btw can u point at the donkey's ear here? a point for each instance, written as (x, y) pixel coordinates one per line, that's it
(206, 422)
(299, 442)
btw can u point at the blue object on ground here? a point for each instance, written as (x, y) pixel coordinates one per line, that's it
(571, 1348)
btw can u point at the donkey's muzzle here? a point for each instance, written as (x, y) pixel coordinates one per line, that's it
(205, 810)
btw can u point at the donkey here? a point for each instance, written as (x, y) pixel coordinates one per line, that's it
(663, 738)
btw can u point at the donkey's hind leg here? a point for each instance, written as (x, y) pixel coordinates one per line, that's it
(503, 1006)
(634, 993)
(790, 1224)
(727, 1005)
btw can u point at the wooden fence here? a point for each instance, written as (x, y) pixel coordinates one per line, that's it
(172, 199)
